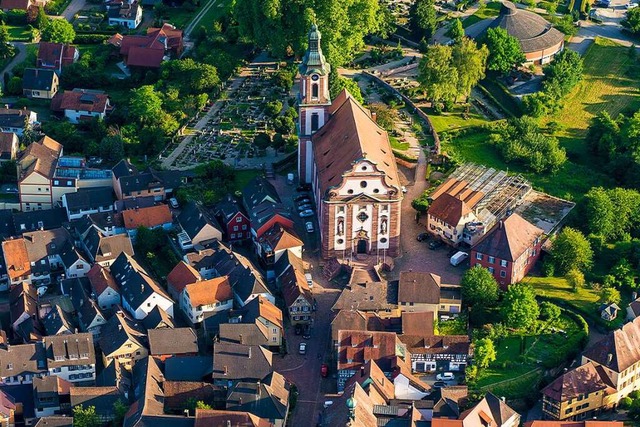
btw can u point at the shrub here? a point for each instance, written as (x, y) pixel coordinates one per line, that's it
(90, 38)
(16, 17)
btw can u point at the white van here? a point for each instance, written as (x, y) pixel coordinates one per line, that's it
(458, 258)
(309, 279)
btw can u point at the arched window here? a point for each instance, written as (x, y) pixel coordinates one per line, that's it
(314, 91)
(315, 122)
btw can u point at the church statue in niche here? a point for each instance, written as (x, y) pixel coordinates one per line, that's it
(340, 226)
(383, 225)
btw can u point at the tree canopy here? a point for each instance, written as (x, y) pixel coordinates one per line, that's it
(521, 140)
(422, 18)
(145, 104)
(505, 51)
(85, 417)
(484, 352)
(479, 287)
(6, 48)
(456, 31)
(338, 82)
(58, 31)
(282, 27)
(571, 250)
(632, 20)
(519, 307)
(195, 77)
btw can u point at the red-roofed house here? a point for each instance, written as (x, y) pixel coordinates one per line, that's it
(104, 288)
(81, 104)
(150, 50)
(8, 5)
(151, 217)
(509, 250)
(207, 296)
(181, 276)
(55, 56)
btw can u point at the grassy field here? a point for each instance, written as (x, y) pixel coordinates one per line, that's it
(19, 33)
(221, 8)
(492, 9)
(585, 300)
(609, 84)
(519, 363)
(243, 177)
(397, 145)
(454, 119)
(572, 181)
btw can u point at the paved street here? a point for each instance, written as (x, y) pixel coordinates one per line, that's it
(21, 55)
(74, 7)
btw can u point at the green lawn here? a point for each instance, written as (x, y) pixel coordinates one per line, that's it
(609, 84)
(222, 7)
(584, 300)
(243, 177)
(492, 9)
(521, 359)
(397, 145)
(19, 33)
(455, 119)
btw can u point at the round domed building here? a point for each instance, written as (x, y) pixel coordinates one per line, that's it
(539, 40)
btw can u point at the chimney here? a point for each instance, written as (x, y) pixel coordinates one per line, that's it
(609, 359)
(362, 371)
(503, 399)
(249, 353)
(226, 371)
(374, 116)
(186, 412)
(240, 338)
(119, 327)
(634, 296)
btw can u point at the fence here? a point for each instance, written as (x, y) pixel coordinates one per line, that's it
(416, 110)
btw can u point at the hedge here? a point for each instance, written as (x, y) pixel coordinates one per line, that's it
(90, 38)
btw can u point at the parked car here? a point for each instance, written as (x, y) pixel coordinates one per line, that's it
(306, 213)
(309, 226)
(307, 333)
(309, 279)
(445, 376)
(324, 370)
(439, 384)
(174, 203)
(304, 187)
(458, 258)
(302, 349)
(303, 201)
(301, 197)
(305, 207)
(435, 244)
(422, 237)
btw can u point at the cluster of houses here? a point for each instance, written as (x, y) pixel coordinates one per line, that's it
(89, 325)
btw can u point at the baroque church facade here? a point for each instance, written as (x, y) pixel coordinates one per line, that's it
(347, 158)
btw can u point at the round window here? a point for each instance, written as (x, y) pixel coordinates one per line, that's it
(340, 241)
(364, 168)
(363, 184)
(349, 191)
(375, 190)
(383, 240)
(315, 77)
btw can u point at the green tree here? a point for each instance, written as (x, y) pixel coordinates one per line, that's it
(41, 19)
(484, 352)
(85, 417)
(470, 61)
(421, 204)
(575, 278)
(437, 75)
(565, 70)
(262, 140)
(58, 31)
(423, 18)
(385, 116)
(599, 212)
(145, 105)
(120, 409)
(14, 87)
(519, 307)
(284, 124)
(632, 20)
(610, 295)
(549, 311)
(273, 108)
(571, 250)
(479, 287)
(112, 147)
(338, 82)
(505, 51)
(456, 30)
(6, 48)
(189, 76)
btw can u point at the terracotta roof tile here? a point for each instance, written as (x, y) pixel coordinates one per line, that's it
(357, 347)
(419, 287)
(16, 258)
(79, 100)
(217, 418)
(209, 291)
(101, 279)
(619, 349)
(449, 209)
(41, 157)
(280, 238)
(147, 217)
(349, 135)
(584, 379)
(509, 239)
(182, 275)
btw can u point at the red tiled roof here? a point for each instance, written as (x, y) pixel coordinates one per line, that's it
(209, 291)
(182, 275)
(84, 101)
(584, 379)
(150, 217)
(101, 279)
(145, 57)
(357, 347)
(509, 239)
(15, 4)
(16, 258)
(449, 209)
(55, 55)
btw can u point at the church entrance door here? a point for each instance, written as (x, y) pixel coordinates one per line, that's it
(362, 246)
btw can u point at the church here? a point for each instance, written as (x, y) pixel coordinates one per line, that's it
(347, 158)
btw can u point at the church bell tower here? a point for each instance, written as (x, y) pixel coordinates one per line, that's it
(314, 100)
